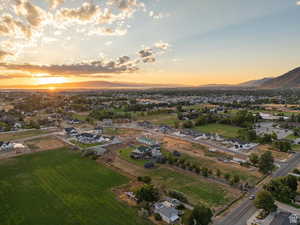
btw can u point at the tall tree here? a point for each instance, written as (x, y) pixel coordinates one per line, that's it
(266, 162)
(201, 215)
(264, 200)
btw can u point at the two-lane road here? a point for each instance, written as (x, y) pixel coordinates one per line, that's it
(246, 209)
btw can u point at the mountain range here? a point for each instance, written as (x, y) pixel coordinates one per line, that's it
(290, 79)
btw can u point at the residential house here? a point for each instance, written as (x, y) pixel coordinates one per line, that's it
(6, 146)
(167, 211)
(71, 131)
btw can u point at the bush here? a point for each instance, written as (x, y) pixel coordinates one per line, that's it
(178, 195)
(157, 217)
(180, 207)
(145, 179)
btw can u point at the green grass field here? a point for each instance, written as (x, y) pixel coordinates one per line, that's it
(163, 118)
(221, 129)
(291, 137)
(60, 188)
(125, 154)
(196, 190)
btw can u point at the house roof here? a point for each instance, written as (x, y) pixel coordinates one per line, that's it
(169, 212)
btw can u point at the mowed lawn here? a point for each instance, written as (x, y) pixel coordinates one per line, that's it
(60, 188)
(221, 129)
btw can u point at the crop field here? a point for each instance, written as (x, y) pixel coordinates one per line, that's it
(59, 187)
(196, 189)
(221, 129)
(21, 134)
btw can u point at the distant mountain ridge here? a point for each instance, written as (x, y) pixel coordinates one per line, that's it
(290, 79)
(91, 85)
(255, 83)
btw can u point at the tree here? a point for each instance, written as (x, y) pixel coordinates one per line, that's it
(145, 179)
(218, 173)
(264, 200)
(236, 179)
(147, 193)
(227, 176)
(188, 124)
(283, 188)
(204, 172)
(266, 162)
(254, 158)
(201, 215)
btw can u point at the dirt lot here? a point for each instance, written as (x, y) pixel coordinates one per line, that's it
(42, 144)
(198, 152)
(276, 154)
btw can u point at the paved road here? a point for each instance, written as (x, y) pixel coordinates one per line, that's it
(246, 209)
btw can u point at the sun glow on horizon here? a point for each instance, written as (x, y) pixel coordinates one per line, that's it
(50, 80)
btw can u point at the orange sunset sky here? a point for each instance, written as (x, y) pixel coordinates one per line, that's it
(44, 42)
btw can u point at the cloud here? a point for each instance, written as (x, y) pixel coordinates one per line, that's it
(4, 54)
(298, 3)
(12, 75)
(147, 55)
(85, 13)
(104, 31)
(55, 3)
(127, 7)
(11, 26)
(162, 45)
(158, 16)
(107, 17)
(121, 65)
(33, 14)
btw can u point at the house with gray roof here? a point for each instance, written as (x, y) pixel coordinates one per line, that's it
(167, 211)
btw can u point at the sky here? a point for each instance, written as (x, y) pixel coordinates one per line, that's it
(193, 42)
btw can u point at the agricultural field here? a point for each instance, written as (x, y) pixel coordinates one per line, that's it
(22, 134)
(60, 187)
(163, 118)
(221, 129)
